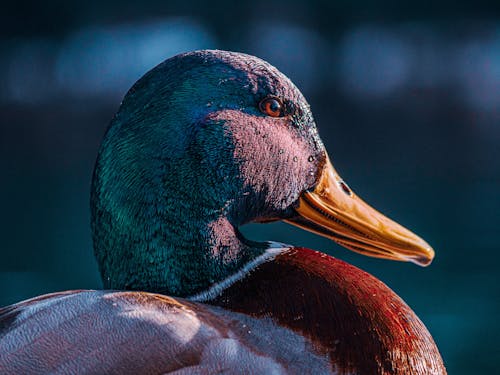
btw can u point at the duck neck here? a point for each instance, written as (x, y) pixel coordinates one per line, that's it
(204, 255)
(158, 251)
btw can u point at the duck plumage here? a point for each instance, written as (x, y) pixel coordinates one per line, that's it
(204, 143)
(253, 327)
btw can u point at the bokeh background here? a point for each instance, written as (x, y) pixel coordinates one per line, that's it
(406, 97)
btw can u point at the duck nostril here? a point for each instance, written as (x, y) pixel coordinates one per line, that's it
(345, 188)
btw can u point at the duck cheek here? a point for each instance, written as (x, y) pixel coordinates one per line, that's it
(299, 174)
(275, 164)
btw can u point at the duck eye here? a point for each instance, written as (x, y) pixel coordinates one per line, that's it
(271, 107)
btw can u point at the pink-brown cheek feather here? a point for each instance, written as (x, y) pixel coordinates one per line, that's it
(274, 159)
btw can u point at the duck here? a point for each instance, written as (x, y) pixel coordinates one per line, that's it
(202, 144)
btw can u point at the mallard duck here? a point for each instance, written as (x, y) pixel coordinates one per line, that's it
(202, 144)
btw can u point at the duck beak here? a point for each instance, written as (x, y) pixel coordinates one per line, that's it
(334, 211)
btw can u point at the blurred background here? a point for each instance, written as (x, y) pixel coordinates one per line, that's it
(406, 98)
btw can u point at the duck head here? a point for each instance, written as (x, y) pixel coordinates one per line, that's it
(203, 143)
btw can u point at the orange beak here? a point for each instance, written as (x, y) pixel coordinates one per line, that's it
(334, 211)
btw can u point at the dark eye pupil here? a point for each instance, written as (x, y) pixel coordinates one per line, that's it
(274, 106)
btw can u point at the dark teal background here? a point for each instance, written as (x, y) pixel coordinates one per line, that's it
(406, 98)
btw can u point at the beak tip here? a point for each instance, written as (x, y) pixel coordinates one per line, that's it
(425, 258)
